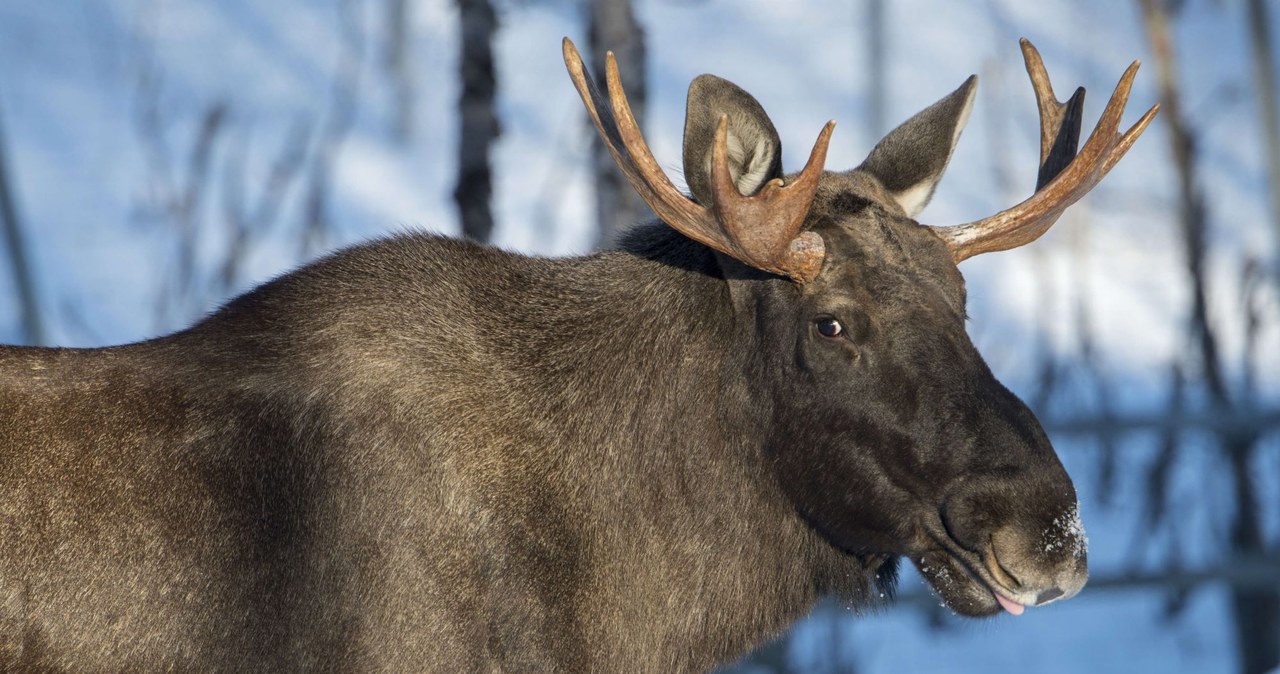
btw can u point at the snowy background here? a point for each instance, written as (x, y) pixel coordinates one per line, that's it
(164, 156)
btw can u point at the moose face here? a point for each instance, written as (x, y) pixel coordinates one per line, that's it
(888, 431)
(891, 436)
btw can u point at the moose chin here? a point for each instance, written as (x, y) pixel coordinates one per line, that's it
(424, 454)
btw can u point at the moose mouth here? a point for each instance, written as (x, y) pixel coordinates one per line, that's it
(962, 581)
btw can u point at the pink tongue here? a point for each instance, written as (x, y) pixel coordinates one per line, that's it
(1011, 607)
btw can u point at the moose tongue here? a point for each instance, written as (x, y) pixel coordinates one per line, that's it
(1012, 607)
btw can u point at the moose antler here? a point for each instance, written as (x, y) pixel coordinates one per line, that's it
(762, 230)
(1064, 176)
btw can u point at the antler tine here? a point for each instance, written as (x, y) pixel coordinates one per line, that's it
(777, 247)
(1058, 188)
(1059, 121)
(760, 230)
(1126, 141)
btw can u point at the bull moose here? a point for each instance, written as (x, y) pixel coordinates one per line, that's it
(425, 454)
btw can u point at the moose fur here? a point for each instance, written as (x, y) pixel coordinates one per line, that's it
(425, 454)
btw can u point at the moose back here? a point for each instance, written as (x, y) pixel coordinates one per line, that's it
(424, 454)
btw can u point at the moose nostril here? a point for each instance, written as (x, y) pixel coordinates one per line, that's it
(998, 569)
(1006, 575)
(1048, 595)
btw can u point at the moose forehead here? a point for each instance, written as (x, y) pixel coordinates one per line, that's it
(876, 254)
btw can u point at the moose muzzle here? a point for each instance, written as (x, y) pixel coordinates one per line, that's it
(1022, 538)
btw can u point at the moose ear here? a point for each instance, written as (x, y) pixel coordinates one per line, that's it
(755, 153)
(910, 160)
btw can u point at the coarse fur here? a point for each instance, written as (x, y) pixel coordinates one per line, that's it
(424, 454)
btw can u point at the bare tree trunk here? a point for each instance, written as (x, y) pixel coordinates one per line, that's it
(478, 118)
(397, 63)
(612, 26)
(878, 62)
(1264, 78)
(23, 279)
(1256, 611)
(1191, 205)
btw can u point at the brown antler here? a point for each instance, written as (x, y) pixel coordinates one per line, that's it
(762, 230)
(1065, 176)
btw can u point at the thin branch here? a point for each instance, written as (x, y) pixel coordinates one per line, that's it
(1264, 78)
(339, 118)
(23, 277)
(399, 68)
(248, 224)
(1252, 421)
(877, 34)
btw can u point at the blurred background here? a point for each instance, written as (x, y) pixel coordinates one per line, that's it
(157, 158)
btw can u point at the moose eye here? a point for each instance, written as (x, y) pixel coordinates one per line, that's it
(829, 328)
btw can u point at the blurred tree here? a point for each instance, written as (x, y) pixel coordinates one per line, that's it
(198, 180)
(478, 118)
(399, 67)
(1264, 78)
(31, 325)
(179, 183)
(1256, 610)
(877, 63)
(335, 125)
(612, 26)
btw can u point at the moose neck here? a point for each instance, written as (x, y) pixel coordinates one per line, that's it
(664, 387)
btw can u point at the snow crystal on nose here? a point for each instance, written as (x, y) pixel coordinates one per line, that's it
(940, 575)
(1067, 532)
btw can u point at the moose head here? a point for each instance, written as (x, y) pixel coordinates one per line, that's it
(886, 430)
